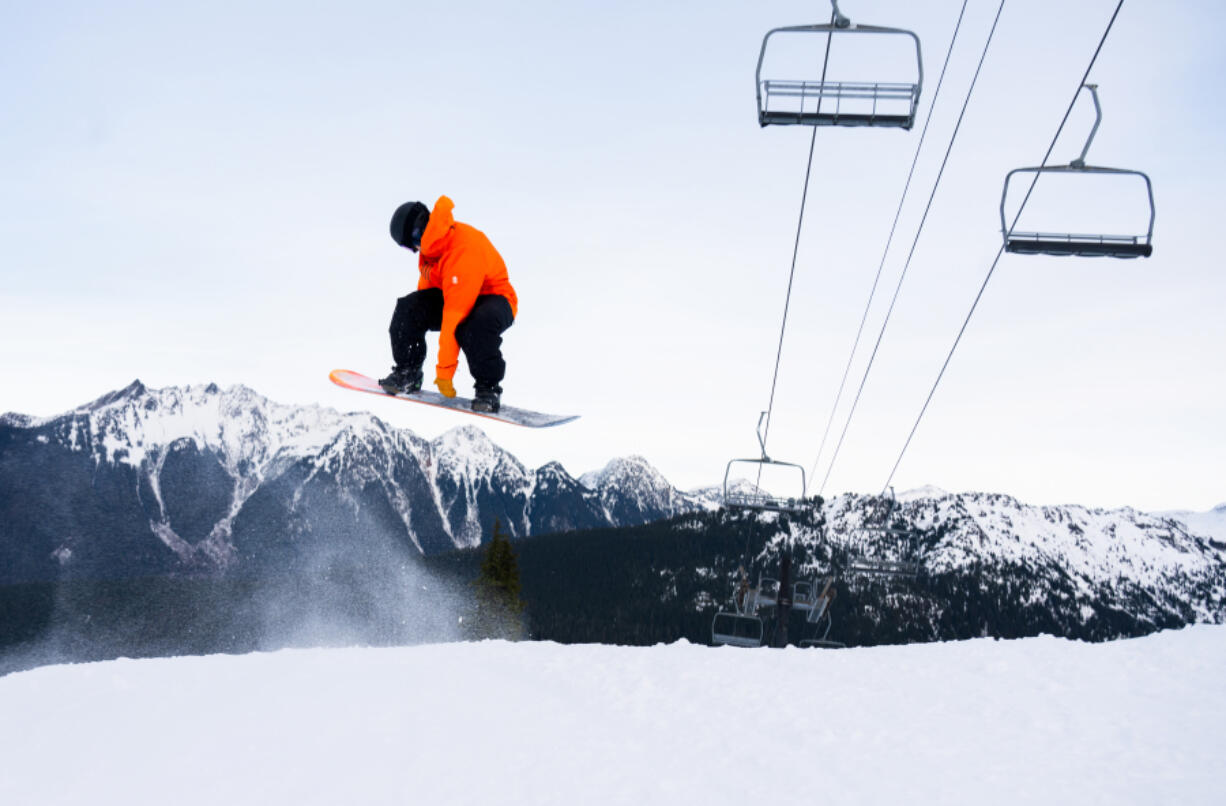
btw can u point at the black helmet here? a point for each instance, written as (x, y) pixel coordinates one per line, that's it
(408, 224)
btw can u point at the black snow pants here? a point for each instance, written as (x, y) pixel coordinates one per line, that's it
(479, 334)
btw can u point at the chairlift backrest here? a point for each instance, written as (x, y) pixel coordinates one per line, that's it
(825, 102)
(804, 595)
(768, 592)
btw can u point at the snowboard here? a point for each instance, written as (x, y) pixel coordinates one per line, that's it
(506, 414)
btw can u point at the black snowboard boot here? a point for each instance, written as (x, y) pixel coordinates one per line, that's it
(487, 399)
(403, 381)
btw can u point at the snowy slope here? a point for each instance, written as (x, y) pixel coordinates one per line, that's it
(1023, 722)
(1091, 548)
(1211, 523)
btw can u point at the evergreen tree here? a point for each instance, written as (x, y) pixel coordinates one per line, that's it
(498, 610)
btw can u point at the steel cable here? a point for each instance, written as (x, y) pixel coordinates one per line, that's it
(889, 241)
(1001, 251)
(796, 249)
(919, 231)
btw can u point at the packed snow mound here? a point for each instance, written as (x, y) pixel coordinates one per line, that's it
(1004, 722)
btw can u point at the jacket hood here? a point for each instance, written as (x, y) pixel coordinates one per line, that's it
(439, 229)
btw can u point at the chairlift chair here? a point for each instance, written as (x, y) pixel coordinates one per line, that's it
(759, 499)
(1081, 245)
(821, 609)
(807, 597)
(767, 593)
(741, 625)
(822, 102)
(730, 628)
(881, 566)
(882, 533)
(804, 596)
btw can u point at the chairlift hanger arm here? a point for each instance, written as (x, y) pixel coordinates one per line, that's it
(1098, 119)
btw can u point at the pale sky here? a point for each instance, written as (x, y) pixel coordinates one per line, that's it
(199, 192)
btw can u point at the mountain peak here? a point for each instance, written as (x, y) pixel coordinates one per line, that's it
(469, 451)
(922, 493)
(618, 470)
(129, 392)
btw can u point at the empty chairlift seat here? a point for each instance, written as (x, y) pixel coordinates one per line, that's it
(815, 99)
(817, 615)
(871, 562)
(880, 548)
(736, 629)
(1056, 242)
(740, 625)
(752, 495)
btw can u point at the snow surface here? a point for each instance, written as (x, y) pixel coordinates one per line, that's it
(1003, 722)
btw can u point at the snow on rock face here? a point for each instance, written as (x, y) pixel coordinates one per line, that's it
(1084, 554)
(1211, 523)
(240, 425)
(192, 458)
(466, 451)
(630, 468)
(171, 436)
(1087, 543)
(631, 491)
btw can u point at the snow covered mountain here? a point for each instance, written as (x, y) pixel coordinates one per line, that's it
(146, 482)
(200, 478)
(1211, 523)
(985, 560)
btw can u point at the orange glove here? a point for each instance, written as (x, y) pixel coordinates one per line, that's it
(444, 387)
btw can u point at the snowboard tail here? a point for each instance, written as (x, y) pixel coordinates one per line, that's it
(506, 414)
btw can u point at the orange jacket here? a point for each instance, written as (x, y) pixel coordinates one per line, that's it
(461, 261)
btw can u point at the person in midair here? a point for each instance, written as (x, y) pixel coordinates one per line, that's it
(463, 293)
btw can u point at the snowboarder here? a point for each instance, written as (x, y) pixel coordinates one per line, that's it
(463, 293)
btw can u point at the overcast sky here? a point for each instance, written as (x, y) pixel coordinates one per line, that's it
(200, 192)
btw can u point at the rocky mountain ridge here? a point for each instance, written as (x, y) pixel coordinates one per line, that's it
(201, 478)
